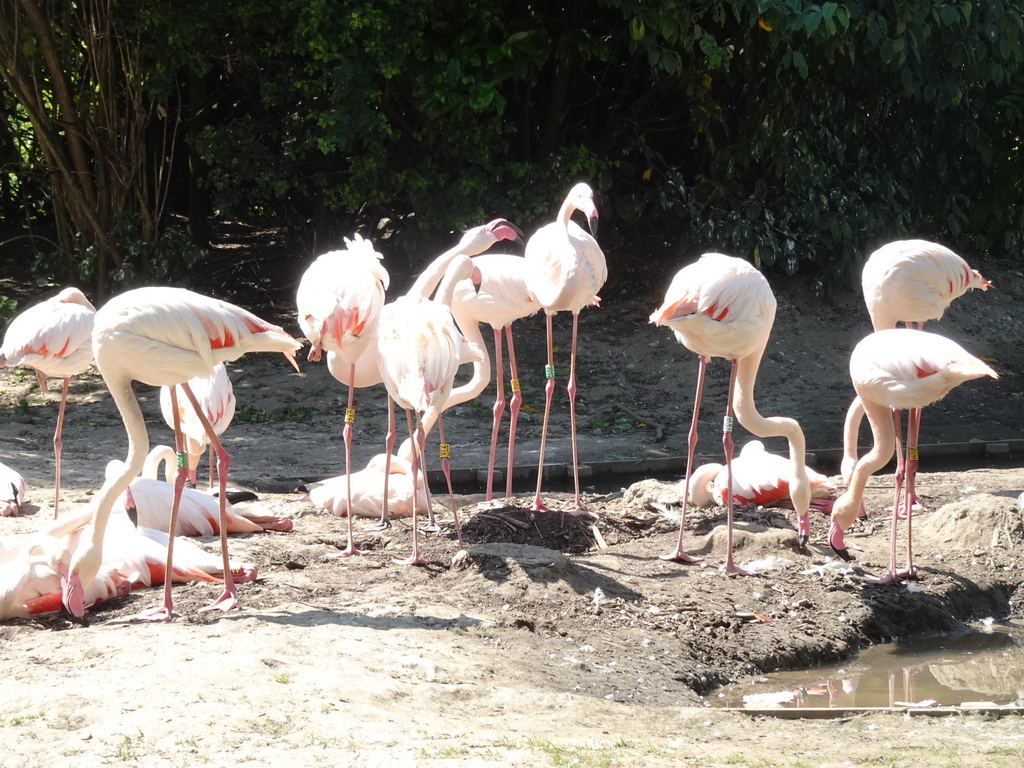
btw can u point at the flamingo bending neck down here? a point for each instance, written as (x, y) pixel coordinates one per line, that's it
(721, 306)
(565, 270)
(55, 338)
(163, 336)
(908, 281)
(892, 370)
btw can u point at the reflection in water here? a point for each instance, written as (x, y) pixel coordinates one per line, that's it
(984, 667)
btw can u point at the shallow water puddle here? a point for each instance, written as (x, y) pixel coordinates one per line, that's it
(980, 668)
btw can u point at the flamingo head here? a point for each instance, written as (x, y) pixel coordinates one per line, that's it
(581, 197)
(77, 572)
(503, 229)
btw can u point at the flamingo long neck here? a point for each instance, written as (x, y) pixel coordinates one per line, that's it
(430, 277)
(481, 368)
(138, 447)
(160, 456)
(883, 435)
(776, 426)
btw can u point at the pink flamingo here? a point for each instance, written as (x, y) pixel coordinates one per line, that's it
(892, 370)
(909, 281)
(151, 499)
(565, 270)
(365, 496)
(217, 399)
(720, 306)
(164, 336)
(502, 298)
(55, 338)
(339, 302)
(12, 491)
(421, 349)
(759, 478)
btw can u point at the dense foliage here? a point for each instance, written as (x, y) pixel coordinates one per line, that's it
(797, 134)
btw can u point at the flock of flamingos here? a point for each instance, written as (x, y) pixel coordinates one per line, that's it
(172, 338)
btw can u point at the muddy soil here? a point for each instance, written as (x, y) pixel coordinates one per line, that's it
(547, 639)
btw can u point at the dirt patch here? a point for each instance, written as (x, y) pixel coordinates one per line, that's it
(549, 638)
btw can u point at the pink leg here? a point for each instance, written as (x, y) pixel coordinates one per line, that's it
(58, 443)
(577, 508)
(691, 445)
(891, 577)
(447, 470)
(497, 413)
(913, 430)
(513, 410)
(229, 597)
(389, 447)
(549, 390)
(419, 440)
(727, 445)
(165, 612)
(350, 417)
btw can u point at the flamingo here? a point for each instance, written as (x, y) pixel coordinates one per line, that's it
(565, 270)
(339, 301)
(133, 558)
(892, 370)
(12, 491)
(420, 349)
(501, 298)
(759, 478)
(150, 500)
(217, 399)
(365, 498)
(910, 281)
(53, 337)
(721, 306)
(163, 336)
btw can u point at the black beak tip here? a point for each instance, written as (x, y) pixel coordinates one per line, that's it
(842, 554)
(801, 541)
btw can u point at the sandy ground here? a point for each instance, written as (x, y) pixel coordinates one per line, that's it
(546, 641)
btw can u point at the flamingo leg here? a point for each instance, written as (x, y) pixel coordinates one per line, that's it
(431, 526)
(58, 444)
(513, 410)
(419, 440)
(165, 612)
(447, 470)
(691, 445)
(892, 576)
(549, 390)
(229, 597)
(210, 462)
(727, 446)
(497, 412)
(577, 508)
(913, 430)
(350, 416)
(389, 447)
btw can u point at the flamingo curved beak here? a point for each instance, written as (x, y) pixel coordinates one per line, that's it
(592, 222)
(503, 229)
(71, 592)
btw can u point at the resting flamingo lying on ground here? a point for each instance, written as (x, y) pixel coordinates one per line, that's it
(150, 500)
(909, 281)
(367, 490)
(759, 478)
(55, 338)
(893, 370)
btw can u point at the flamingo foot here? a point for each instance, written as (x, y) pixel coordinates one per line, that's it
(281, 524)
(837, 541)
(539, 506)
(803, 528)
(907, 573)
(225, 602)
(244, 573)
(380, 525)
(677, 555)
(890, 578)
(731, 569)
(413, 559)
(430, 528)
(348, 551)
(579, 511)
(156, 613)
